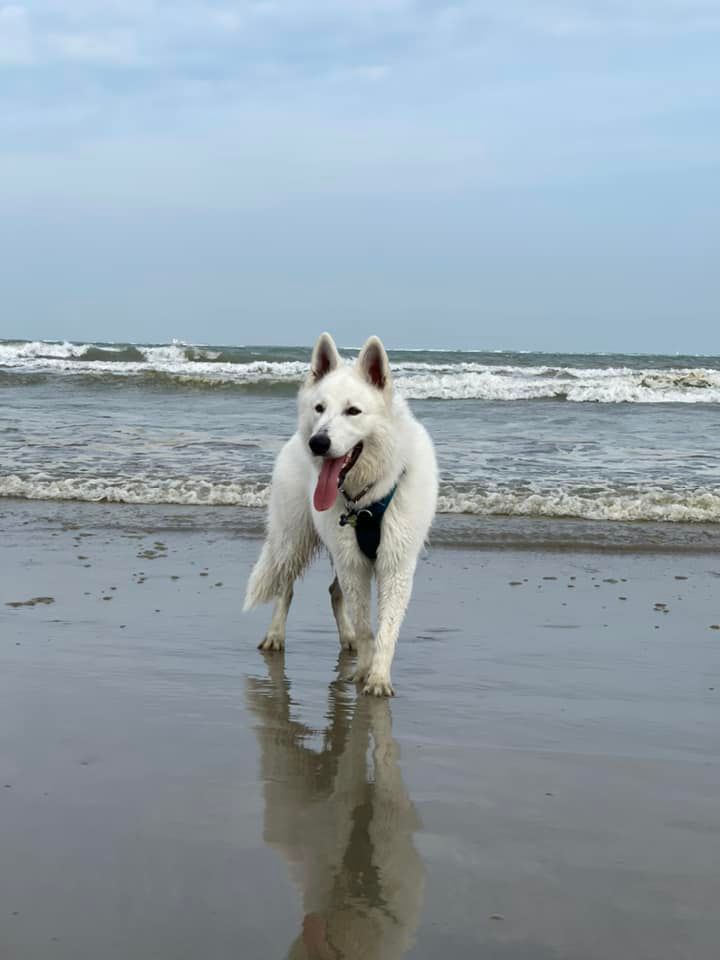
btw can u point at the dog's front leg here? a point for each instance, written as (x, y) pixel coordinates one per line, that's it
(356, 583)
(394, 588)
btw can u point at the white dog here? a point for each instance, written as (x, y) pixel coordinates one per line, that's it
(359, 476)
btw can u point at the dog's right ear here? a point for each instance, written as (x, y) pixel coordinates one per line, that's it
(325, 357)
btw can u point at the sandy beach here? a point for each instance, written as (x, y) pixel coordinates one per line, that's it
(544, 785)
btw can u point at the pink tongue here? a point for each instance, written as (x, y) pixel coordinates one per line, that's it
(326, 490)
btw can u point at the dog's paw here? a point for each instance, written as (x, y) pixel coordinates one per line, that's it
(358, 675)
(377, 685)
(348, 642)
(272, 641)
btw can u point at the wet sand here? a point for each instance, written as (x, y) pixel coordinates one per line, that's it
(544, 785)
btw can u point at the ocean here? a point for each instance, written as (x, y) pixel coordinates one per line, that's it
(569, 450)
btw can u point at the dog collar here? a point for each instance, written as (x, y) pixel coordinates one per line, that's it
(367, 521)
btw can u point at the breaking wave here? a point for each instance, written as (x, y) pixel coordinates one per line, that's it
(690, 506)
(699, 505)
(611, 385)
(190, 491)
(182, 366)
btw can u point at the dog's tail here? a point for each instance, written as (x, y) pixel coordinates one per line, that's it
(277, 568)
(266, 580)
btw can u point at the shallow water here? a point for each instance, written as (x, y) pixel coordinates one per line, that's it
(592, 438)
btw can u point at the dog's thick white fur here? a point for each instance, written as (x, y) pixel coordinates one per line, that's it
(348, 406)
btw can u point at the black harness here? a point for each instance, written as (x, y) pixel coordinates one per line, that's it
(367, 521)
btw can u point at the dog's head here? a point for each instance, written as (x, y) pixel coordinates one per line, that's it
(344, 412)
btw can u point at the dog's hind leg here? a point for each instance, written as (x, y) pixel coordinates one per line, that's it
(290, 543)
(272, 579)
(275, 637)
(281, 563)
(346, 631)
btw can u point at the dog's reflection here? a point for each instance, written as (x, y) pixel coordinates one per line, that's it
(344, 825)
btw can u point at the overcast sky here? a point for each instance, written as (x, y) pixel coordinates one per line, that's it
(496, 174)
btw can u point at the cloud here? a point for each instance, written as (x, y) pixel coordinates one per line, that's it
(16, 46)
(112, 47)
(311, 36)
(372, 73)
(276, 97)
(228, 20)
(586, 18)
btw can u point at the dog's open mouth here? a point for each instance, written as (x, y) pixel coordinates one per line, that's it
(332, 475)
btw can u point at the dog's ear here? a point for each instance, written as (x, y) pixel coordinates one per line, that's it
(374, 364)
(325, 357)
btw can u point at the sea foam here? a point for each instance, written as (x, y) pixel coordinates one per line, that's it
(182, 366)
(696, 505)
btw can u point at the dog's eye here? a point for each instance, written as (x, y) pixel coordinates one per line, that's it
(320, 408)
(352, 411)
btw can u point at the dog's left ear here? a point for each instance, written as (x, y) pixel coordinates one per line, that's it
(374, 364)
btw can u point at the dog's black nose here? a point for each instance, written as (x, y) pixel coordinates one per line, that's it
(320, 444)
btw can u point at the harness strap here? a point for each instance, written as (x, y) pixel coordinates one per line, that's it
(367, 522)
(358, 496)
